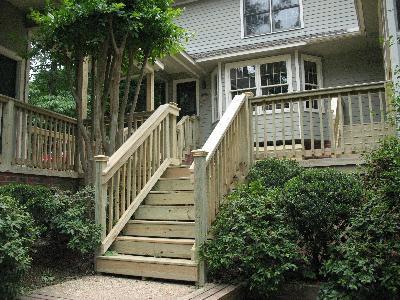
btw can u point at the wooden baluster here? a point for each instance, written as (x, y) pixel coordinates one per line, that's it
(35, 141)
(129, 182)
(373, 140)
(117, 189)
(134, 176)
(283, 129)
(312, 127)
(123, 190)
(301, 116)
(360, 104)
(291, 107)
(111, 210)
(64, 155)
(382, 113)
(167, 138)
(9, 137)
(351, 122)
(256, 127)
(332, 127)
(29, 141)
(321, 124)
(341, 122)
(140, 168)
(274, 127)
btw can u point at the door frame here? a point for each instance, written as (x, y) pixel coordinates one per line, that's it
(174, 91)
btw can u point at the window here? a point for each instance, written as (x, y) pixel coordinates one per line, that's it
(243, 79)
(268, 76)
(266, 16)
(312, 78)
(215, 96)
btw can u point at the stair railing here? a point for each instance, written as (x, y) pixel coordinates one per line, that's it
(123, 181)
(226, 155)
(187, 135)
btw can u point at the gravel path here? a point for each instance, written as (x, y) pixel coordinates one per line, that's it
(110, 288)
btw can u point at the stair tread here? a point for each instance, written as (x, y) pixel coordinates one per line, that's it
(169, 192)
(161, 222)
(156, 240)
(174, 178)
(149, 259)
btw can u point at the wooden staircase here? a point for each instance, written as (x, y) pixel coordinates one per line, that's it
(158, 241)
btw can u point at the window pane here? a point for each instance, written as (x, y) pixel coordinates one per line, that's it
(285, 14)
(273, 73)
(258, 24)
(256, 6)
(243, 78)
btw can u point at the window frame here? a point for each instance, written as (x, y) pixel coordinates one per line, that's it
(257, 62)
(318, 61)
(243, 21)
(215, 92)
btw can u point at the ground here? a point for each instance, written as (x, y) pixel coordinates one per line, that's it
(109, 288)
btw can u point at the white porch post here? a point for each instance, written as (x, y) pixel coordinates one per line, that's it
(150, 91)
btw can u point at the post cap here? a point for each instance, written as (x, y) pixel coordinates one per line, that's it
(101, 158)
(199, 153)
(249, 94)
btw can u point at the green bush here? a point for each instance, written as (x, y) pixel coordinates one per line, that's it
(17, 236)
(367, 264)
(251, 241)
(318, 204)
(64, 217)
(275, 172)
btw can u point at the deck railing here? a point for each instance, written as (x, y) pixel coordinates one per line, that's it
(187, 131)
(320, 123)
(36, 140)
(125, 179)
(226, 155)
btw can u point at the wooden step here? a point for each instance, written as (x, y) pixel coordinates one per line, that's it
(165, 229)
(177, 172)
(170, 198)
(163, 268)
(174, 184)
(157, 247)
(165, 213)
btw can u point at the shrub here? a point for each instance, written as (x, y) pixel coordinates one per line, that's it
(367, 264)
(275, 172)
(318, 204)
(17, 236)
(66, 218)
(251, 242)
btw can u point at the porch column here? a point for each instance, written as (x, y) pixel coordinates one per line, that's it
(150, 91)
(83, 82)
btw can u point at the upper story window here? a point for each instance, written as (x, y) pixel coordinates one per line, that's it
(267, 16)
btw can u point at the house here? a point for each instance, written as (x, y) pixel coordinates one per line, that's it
(305, 79)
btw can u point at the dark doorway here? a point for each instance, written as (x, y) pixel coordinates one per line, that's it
(8, 76)
(186, 95)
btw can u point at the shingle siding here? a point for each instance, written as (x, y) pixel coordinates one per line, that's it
(216, 24)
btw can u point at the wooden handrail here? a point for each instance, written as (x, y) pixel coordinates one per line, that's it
(124, 180)
(225, 157)
(320, 92)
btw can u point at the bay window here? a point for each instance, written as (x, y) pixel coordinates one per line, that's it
(268, 16)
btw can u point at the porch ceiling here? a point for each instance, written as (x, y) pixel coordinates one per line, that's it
(182, 63)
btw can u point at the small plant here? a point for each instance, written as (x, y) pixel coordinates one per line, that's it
(275, 172)
(251, 242)
(18, 234)
(319, 204)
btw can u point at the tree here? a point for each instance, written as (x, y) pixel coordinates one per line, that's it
(116, 36)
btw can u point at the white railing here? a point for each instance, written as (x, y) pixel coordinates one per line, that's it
(320, 123)
(224, 158)
(123, 181)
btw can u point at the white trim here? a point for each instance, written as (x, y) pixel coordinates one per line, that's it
(20, 82)
(318, 61)
(252, 51)
(214, 92)
(175, 82)
(221, 93)
(257, 62)
(297, 65)
(242, 22)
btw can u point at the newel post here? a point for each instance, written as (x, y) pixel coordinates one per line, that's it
(201, 208)
(250, 136)
(100, 196)
(9, 136)
(173, 135)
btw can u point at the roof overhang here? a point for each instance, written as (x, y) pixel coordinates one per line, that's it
(182, 63)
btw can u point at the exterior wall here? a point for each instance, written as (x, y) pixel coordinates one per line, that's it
(216, 24)
(62, 183)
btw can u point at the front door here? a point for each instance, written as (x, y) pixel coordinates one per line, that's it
(186, 96)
